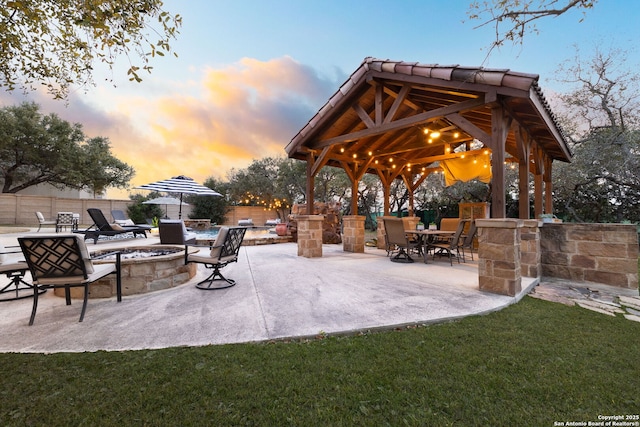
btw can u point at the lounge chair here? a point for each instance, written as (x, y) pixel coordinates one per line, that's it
(174, 232)
(101, 227)
(63, 261)
(397, 237)
(120, 218)
(42, 221)
(222, 252)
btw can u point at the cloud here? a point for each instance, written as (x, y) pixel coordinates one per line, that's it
(223, 119)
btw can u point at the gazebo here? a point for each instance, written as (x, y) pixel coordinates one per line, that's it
(404, 120)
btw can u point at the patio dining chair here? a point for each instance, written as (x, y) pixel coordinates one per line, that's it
(448, 248)
(223, 251)
(468, 240)
(63, 261)
(397, 237)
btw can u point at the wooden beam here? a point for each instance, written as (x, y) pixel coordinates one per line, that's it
(499, 130)
(468, 127)
(363, 116)
(310, 184)
(523, 150)
(401, 123)
(397, 102)
(320, 161)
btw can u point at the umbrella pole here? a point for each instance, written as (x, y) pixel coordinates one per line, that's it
(180, 210)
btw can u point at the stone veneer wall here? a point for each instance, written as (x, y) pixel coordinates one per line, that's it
(601, 253)
(310, 235)
(353, 233)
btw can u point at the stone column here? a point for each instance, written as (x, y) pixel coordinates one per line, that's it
(310, 235)
(410, 222)
(353, 233)
(530, 254)
(499, 263)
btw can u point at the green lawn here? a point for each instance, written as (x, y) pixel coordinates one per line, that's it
(531, 364)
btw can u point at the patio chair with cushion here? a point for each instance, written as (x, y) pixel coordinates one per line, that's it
(223, 251)
(448, 248)
(63, 261)
(397, 238)
(42, 221)
(101, 227)
(120, 218)
(174, 232)
(64, 220)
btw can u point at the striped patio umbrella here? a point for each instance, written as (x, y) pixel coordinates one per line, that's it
(180, 185)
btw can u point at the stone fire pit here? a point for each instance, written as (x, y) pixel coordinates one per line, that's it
(144, 269)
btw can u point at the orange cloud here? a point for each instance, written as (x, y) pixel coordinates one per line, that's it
(224, 119)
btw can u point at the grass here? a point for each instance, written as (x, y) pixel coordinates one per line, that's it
(531, 364)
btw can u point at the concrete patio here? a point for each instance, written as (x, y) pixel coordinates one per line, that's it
(279, 295)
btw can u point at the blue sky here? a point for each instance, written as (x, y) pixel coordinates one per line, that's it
(250, 74)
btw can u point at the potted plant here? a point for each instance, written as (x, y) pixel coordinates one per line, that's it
(420, 225)
(433, 226)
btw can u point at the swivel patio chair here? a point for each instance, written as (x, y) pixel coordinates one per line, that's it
(174, 232)
(397, 237)
(63, 261)
(223, 252)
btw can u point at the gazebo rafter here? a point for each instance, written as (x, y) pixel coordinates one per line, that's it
(396, 119)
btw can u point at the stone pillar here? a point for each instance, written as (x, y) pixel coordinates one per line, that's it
(382, 234)
(499, 263)
(410, 222)
(353, 233)
(310, 235)
(530, 254)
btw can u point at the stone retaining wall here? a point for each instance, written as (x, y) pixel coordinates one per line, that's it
(601, 253)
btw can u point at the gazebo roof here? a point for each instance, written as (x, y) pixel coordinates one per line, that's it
(387, 110)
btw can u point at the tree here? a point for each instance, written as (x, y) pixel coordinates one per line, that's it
(519, 16)
(602, 184)
(214, 208)
(100, 169)
(56, 42)
(37, 149)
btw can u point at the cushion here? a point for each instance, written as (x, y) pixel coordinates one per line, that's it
(117, 227)
(217, 245)
(3, 256)
(124, 222)
(84, 252)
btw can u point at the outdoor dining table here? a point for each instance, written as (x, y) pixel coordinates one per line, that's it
(426, 236)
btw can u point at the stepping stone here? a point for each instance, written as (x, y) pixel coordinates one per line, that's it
(593, 308)
(632, 311)
(632, 302)
(603, 306)
(632, 317)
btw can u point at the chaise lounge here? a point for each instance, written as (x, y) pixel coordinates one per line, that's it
(101, 227)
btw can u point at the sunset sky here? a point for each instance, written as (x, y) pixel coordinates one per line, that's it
(250, 74)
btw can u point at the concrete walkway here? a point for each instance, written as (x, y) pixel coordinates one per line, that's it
(278, 295)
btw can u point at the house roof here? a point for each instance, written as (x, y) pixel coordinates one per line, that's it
(385, 107)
